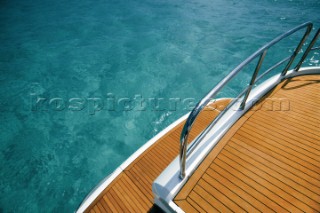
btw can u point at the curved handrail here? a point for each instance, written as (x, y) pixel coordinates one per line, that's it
(203, 102)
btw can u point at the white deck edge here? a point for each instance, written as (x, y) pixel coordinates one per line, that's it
(168, 184)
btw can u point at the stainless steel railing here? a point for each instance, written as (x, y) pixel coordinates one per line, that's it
(185, 151)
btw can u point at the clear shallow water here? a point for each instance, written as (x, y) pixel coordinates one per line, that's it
(52, 155)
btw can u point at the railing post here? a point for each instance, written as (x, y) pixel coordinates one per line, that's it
(313, 41)
(183, 156)
(184, 137)
(296, 51)
(253, 79)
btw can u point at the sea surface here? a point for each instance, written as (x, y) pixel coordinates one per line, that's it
(84, 84)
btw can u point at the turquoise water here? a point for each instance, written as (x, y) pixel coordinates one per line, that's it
(69, 69)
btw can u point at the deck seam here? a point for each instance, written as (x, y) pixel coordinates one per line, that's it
(268, 167)
(282, 151)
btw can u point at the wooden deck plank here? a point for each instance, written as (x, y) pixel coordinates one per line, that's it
(272, 171)
(300, 167)
(194, 205)
(214, 192)
(292, 193)
(141, 182)
(308, 91)
(115, 200)
(257, 186)
(230, 194)
(303, 120)
(136, 194)
(96, 209)
(301, 142)
(187, 206)
(304, 96)
(246, 187)
(303, 107)
(101, 208)
(304, 99)
(147, 168)
(272, 161)
(300, 113)
(281, 126)
(306, 151)
(287, 132)
(283, 150)
(141, 186)
(285, 198)
(200, 196)
(292, 118)
(105, 205)
(146, 179)
(286, 164)
(125, 199)
(309, 129)
(303, 147)
(109, 203)
(254, 205)
(294, 131)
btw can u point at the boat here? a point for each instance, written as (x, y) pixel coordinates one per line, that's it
(256, 152)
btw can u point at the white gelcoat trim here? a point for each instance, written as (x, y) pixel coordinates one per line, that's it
(168, 184)
(168, 206)
(303, 71)
(175, 207)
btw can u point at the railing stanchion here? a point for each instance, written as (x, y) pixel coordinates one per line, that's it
(253, 79)
(296, 51)
(307, 50)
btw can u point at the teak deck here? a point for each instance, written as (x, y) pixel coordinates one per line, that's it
(131, 191)
(268, 161)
